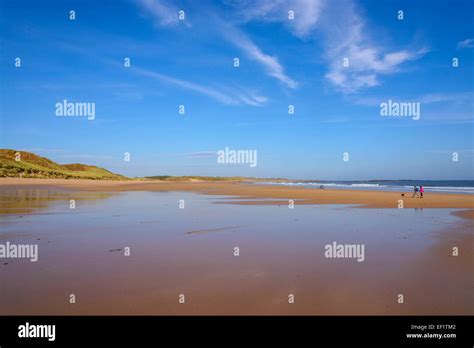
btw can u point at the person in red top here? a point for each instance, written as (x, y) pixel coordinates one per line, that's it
(422, 190)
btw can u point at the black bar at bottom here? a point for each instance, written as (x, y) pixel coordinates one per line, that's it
(135, 330)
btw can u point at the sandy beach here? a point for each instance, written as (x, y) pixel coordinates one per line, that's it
(372, 199)
(262, 194)
(190, 251)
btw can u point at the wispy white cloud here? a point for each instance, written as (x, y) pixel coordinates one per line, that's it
(461, 97)
(468, 43)
(233, 97)
(188, 155)
(345, 35)
(430, 98)
(306, 13)
(165, 13)
(201, 155)
(270, 63)
(344, 31)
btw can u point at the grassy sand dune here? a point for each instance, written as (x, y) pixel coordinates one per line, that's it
(22, 164)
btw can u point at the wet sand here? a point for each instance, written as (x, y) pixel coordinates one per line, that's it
(270, 195)
(190, 251)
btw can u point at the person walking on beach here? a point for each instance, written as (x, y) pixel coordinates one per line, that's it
(415, 191)
(421, 191)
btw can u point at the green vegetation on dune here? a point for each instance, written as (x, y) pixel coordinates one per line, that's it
(30, 165)
(197, 178)
(211, 178)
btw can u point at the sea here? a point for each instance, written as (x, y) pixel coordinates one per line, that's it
(441, 186)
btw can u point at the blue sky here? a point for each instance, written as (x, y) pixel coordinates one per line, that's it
(190, 62)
